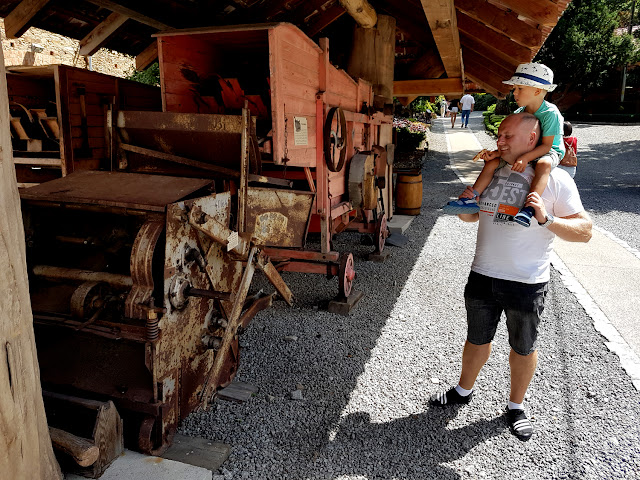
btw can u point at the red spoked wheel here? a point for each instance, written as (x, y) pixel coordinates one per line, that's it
(347, 274)
(382, 232)
(335, 139)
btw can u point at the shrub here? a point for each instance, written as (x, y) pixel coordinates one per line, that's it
(483, 101)
(492, 122)
(408, 140)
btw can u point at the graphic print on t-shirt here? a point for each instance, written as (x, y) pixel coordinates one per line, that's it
(505, 196)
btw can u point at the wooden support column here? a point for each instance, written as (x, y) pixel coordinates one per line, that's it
(362, 12)
(25, 444)
(373, 58)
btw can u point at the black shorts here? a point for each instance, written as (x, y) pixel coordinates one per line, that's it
(523, 303)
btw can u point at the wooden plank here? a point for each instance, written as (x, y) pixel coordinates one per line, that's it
(100, 35)
(25, 444)
(37, 162)
(503, 45)
(133, 14)
(544, 12)
(181, 160)
(321, 21)
(477, 60)
(147, 56)
(441, 15)
(430, 87)
(19, 19)
(488, 52)
(82, 450)
(488, 81)
(502, 21)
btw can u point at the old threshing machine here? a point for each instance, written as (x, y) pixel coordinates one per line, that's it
(140, 274)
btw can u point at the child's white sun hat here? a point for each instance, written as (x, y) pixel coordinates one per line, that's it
(533, 75)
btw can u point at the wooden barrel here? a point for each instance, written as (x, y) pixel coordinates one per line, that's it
(408, 193)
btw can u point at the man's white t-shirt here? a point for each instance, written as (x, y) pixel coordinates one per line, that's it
(509, 251)
(467, 101)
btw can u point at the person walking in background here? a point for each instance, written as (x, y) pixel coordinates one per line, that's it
(511, 267)
(453, 111)
(466, 107)
(443, 108)
(570, 160)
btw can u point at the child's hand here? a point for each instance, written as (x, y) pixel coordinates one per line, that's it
(486, 155)
(519, 165)
(468, 193)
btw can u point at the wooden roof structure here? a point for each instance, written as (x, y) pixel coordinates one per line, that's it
(442, 46)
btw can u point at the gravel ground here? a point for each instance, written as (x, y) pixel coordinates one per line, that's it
(365, 379)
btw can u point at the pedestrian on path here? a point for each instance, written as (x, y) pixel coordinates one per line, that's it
(510, 270)
(569, 162)
(453, 111)
(466, 107)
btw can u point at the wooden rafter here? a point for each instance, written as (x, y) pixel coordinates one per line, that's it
(19, 19)
(100, 35)
(441, 16)
(322, 20)
(487, 79)
(474, 59)
(147, 56)
(502, 44)
(486, 51)
(487, 88)
(133, 14)
(428, 65)
(428, 87)
(501, 21)
(544, 12)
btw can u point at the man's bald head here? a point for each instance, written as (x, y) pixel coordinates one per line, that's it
(518, 134)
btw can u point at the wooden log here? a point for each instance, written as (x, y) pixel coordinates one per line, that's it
(361, 11)
(373, 56)
(25, 444)
(83, 451)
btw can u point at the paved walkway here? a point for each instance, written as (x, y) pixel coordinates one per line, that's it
(602, 273)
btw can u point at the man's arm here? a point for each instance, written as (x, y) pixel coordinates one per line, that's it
(572, 228)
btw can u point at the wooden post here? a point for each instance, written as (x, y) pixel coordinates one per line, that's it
(373, 57)
(25, 445)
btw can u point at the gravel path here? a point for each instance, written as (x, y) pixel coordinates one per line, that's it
(366, 379)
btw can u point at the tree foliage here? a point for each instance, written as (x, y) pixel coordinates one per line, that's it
(584, 51)
(150, 76)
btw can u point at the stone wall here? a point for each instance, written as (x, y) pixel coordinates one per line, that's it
(39, 47)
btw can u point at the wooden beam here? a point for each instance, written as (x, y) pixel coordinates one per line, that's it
(504, 46)
(147, 56)
(323, 20)
(487, 79)
(19, 19)
(544, 12)
(406, 101)
(501, 21)
(441, 16)
(487, 88)
(100, 35)
(428, 87)
(361, 11)
(428, 65)
(132, 14)
(488, 52)
(25, 445)
(497, 70)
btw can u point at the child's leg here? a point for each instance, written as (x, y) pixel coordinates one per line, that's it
(538, 184)
(541, 177)
(486, 175)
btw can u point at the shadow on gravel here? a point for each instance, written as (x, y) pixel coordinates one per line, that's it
(427, 443)
(608, 176)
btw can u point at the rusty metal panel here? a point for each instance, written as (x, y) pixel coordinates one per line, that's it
(278, 217)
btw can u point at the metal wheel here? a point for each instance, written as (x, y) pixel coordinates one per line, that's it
(335, 139)
(346, 274)
(382, 232)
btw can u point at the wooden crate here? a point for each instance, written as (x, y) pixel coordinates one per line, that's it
(73, 104)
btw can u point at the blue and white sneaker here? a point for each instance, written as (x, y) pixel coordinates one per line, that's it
(524, 216)
(461, 206)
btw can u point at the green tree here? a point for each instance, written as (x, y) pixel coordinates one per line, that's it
(150, 76)
(584, 51)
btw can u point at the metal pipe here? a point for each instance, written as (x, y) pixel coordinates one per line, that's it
(63, 273)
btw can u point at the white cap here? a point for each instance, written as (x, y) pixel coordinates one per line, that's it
(533, 75)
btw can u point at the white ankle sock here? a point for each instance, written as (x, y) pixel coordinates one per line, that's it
(515, 406)
(463, 391)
